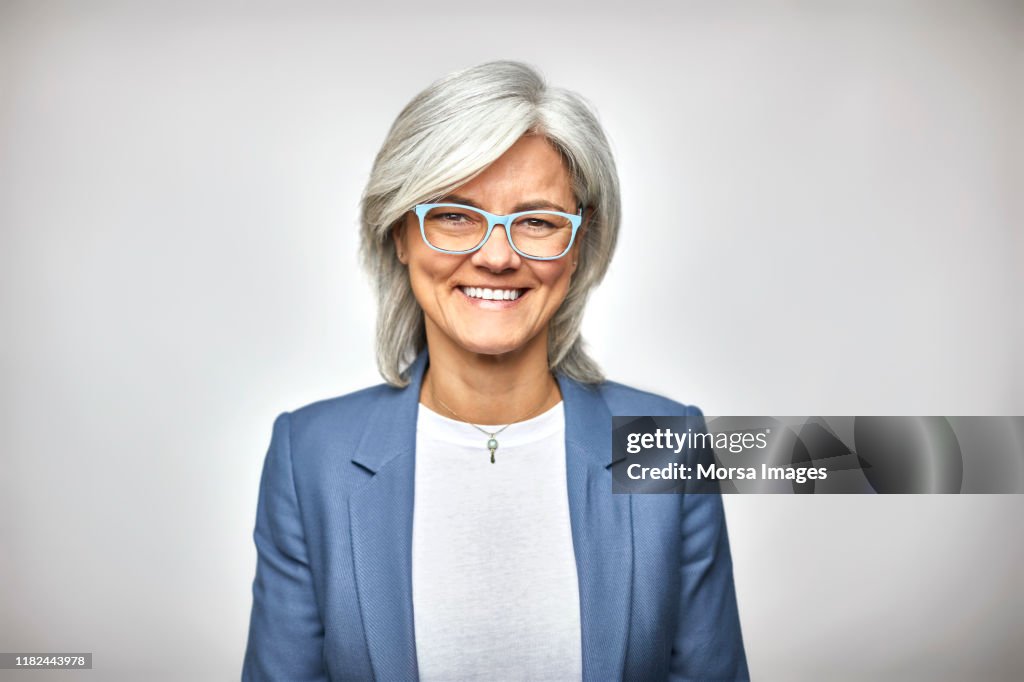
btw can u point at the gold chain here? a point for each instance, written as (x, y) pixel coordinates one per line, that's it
(492, 442)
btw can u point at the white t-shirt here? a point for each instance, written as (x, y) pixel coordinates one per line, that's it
(495, 591)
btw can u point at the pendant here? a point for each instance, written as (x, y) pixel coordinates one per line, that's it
(492, 445)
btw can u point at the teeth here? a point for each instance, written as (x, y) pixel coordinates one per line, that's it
(491, 294)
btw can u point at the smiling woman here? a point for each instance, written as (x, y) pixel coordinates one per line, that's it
(458, 522)
(456, 292)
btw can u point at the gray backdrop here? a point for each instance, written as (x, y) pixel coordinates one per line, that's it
(822, 216)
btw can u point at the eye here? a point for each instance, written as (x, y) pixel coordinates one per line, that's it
(539, 224)
(452, 218)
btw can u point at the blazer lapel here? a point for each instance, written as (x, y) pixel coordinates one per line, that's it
(602, 532)
(380, 515)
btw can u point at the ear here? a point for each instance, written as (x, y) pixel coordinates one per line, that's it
(574, 252)
(588, 213)
(398, 237)
(580, 234)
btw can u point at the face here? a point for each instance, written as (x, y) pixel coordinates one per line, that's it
(531, 174)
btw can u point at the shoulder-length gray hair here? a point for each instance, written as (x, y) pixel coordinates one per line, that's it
(443, 138)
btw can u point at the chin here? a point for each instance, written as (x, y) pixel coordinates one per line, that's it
(492, 346)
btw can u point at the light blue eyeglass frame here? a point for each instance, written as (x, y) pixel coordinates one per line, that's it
(505, 221)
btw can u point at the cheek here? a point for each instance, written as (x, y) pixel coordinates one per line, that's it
(427, 274)
(557, 279)
(422, 279)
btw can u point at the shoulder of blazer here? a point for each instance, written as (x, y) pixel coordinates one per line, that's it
(348, 407)
(628, 401)
(327, 432)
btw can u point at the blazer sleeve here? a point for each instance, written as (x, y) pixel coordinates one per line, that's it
(708, 643)
(286, 634)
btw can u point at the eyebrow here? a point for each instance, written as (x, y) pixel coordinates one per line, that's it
(533, 205)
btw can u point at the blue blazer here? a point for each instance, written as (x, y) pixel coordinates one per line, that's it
(332, 597)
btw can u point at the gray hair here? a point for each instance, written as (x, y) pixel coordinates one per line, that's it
(447, 135)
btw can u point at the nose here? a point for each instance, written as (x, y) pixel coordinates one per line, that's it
(497, 254)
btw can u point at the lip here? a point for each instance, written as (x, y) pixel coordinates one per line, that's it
(484, 304)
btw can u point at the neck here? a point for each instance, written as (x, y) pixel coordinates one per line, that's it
(488, 389)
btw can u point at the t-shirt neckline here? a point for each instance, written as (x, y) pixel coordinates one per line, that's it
(447, 429)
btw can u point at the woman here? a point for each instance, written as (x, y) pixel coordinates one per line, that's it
(458, 522)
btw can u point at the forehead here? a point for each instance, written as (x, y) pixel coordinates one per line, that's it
(532, 166)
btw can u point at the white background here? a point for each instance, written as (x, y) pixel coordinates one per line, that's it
(823, 215)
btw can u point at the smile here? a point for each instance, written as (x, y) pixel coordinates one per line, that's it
(492, 294)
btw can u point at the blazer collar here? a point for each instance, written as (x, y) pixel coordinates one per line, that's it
(381, 512)
(391, 427)
(380, 523)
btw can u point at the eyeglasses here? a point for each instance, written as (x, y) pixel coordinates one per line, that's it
(458, 229)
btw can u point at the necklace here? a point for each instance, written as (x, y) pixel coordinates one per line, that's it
(492, 436)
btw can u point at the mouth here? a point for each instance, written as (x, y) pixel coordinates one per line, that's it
(493, 298)
(492, 294)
